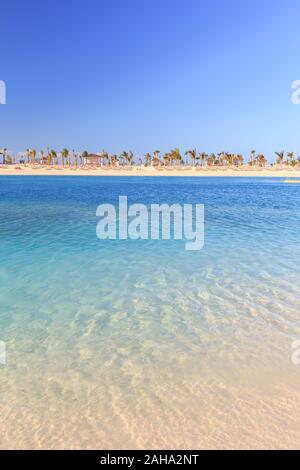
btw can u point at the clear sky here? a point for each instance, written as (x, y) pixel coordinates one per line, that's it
(148, 74)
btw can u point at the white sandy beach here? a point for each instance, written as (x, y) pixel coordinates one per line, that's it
(147, 171)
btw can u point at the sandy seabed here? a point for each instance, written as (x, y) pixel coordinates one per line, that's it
(89, 368)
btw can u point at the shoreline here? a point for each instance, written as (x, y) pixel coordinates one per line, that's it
(141, 171)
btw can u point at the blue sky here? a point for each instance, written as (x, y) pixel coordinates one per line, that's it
(147, 74)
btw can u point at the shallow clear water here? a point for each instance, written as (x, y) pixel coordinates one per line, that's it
(126, 344)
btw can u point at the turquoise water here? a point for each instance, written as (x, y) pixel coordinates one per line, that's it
(125, 344)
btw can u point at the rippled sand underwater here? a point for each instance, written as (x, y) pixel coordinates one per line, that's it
(131, 344)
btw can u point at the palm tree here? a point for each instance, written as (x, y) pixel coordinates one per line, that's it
(49, 158)
(175, 155)
(252, 157)
(75, 156)
(240, 159)
(83, 156)
(167, 159)
(156, 157)
(32, 155)
(64, 154)
(72, 158)
(51, 155)
(261, 160)
(221, 156)
(156, 153)
(192, 154)
(3, 153)
(124, 156)
(202, 157)
(228, 157)
(212, 159)
(128, 156)
(148, 158)
(291, 159)
(280, 157)
(114, 159)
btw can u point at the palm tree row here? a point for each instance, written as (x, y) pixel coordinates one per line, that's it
(172, 158)
(289, 159)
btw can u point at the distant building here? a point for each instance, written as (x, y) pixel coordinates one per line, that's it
(92, 159)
